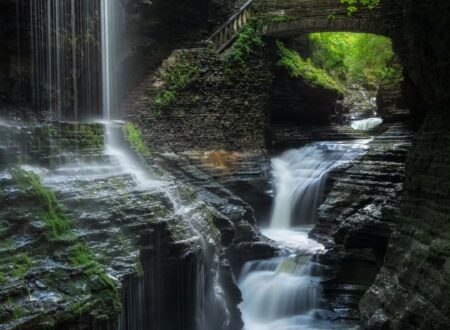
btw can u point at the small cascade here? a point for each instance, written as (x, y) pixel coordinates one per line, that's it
(300, 176)
(285, 292)
(366, 124)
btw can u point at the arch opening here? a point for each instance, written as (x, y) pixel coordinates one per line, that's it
(334, 85)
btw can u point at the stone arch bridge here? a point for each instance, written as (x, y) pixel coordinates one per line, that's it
(285, 18)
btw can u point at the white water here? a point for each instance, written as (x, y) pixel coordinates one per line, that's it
(300, 175)
(284, 293)
(366, 124)
(65, 58)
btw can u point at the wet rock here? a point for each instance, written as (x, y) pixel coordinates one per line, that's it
(295, 102)
(359, 103)
(355, 220)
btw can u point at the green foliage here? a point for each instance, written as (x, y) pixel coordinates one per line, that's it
(50, 210)
(246, 43)
(352, 5)
(176, 77)
(355, 58)
(14, 266)
(82, 256)
(305, 68)
(164, 98)
(134, 136)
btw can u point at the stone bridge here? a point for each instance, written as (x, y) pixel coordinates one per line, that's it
(286, 18)
(294, 17)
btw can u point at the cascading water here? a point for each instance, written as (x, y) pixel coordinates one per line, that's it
(206, 294)
(285, 292)
(366, 124)
(300, 177)
(66, 60)
(75, 61)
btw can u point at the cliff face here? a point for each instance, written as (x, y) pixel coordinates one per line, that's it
(210, 110)
(15, 64)
(412, 290)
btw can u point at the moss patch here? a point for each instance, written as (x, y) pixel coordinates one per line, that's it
(244, 46)
(353, 5)
(50, 211)
(134, 136)
(176, 77)
(299, 67)
(14, 266)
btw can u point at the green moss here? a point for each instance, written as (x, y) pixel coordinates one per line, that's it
(82, 256)
(164, 98)
(6, 244)
(3, 278)
(244, 46)
(134, 136)
(260, 22)
(353, 5)
(15, 308)
(299, 67)
(15, 266)
(176, 77)
(51, 212)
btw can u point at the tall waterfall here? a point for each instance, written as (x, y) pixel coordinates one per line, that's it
(66, 60)
(111, 43)
(285, 292)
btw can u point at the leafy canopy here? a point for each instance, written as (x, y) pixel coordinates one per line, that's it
(355, 58)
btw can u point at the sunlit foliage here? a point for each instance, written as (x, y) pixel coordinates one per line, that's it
(305, 68)
(356, 58)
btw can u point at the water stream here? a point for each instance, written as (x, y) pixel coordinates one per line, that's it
(285, 292)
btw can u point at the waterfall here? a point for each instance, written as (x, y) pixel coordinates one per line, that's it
(202, 271)
(65, 58)
(285, 292)
(366, 124)
(112, 42)
(300, 177)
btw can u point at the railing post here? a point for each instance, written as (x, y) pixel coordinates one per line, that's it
(225, 35)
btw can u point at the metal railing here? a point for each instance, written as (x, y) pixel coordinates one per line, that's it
(226, 34)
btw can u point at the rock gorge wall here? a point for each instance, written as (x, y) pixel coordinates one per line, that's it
(215, 111)
(410, 289)
(121, 244)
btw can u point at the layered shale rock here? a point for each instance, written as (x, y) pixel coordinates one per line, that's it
(353, 220)
(412, 288)
(109, 238)
(296, 102)
(210, 110)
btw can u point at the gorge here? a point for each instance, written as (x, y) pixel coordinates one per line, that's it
(212, 164)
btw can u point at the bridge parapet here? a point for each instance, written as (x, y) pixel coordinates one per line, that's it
(294, 17)
(287, 18)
